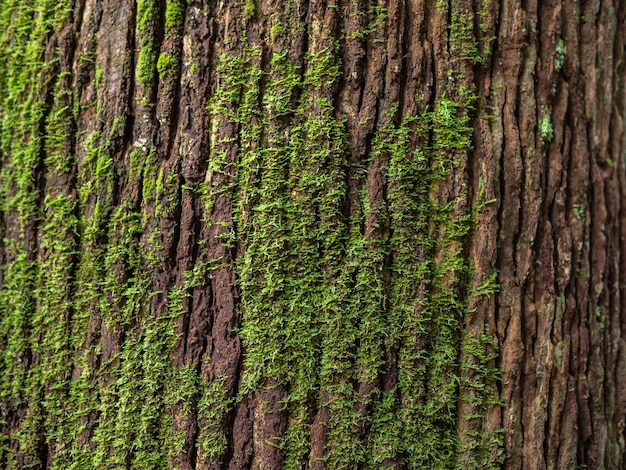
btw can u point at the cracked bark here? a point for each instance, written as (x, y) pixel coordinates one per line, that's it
(546, 119)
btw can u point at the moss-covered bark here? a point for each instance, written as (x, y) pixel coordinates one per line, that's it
(312, 234)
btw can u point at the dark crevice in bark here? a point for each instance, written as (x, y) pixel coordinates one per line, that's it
(32, 238)
(77, 15)
(209, 80)
(198, 368)
(43, 449)
(176, 216)
(173, 95)
(230, 429)
(502, 325)
(158, 38)
(232, 414)
(129, 123)
(432, 97)
(449, 45)
(362, 76)
(520, 184)
(195, 250)
(495, 59)
(305, 40)
(404, 29)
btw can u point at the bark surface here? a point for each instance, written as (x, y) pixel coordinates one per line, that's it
(312, 234)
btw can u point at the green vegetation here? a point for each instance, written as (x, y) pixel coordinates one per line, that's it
(165, 66)
(546, 132)
(462, 41)
(312, 280)
(249, 10)
(146, 24)
(34, 307)
(168, 63)
(213, 406)
(174, 15)
(559, 55)
(337, 279)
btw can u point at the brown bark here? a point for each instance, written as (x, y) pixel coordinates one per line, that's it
(325, 234)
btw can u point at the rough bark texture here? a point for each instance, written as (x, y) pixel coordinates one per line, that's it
(313, 233)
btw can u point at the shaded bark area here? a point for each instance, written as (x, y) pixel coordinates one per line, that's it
(312, 234)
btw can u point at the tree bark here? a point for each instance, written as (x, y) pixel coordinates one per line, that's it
(312, 234)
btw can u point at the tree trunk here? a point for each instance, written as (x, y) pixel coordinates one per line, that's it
(312, 234)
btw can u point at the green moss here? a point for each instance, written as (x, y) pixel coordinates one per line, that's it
(214, 404)
(147, 391)
(546, 132)
(559, 55)
(281, 325)
(323, 70)
(426, 299)
(90, 269)
(249, 10)
(463, 43)
(50, 322)
(277, 30)
(327, 298)
(181, 391)
(166, 66)
(146, 23)
(174, 15)
(309, 283)
(480, 393)
(58, 128)
(27, 316)
(99, 77)
(483, 13)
